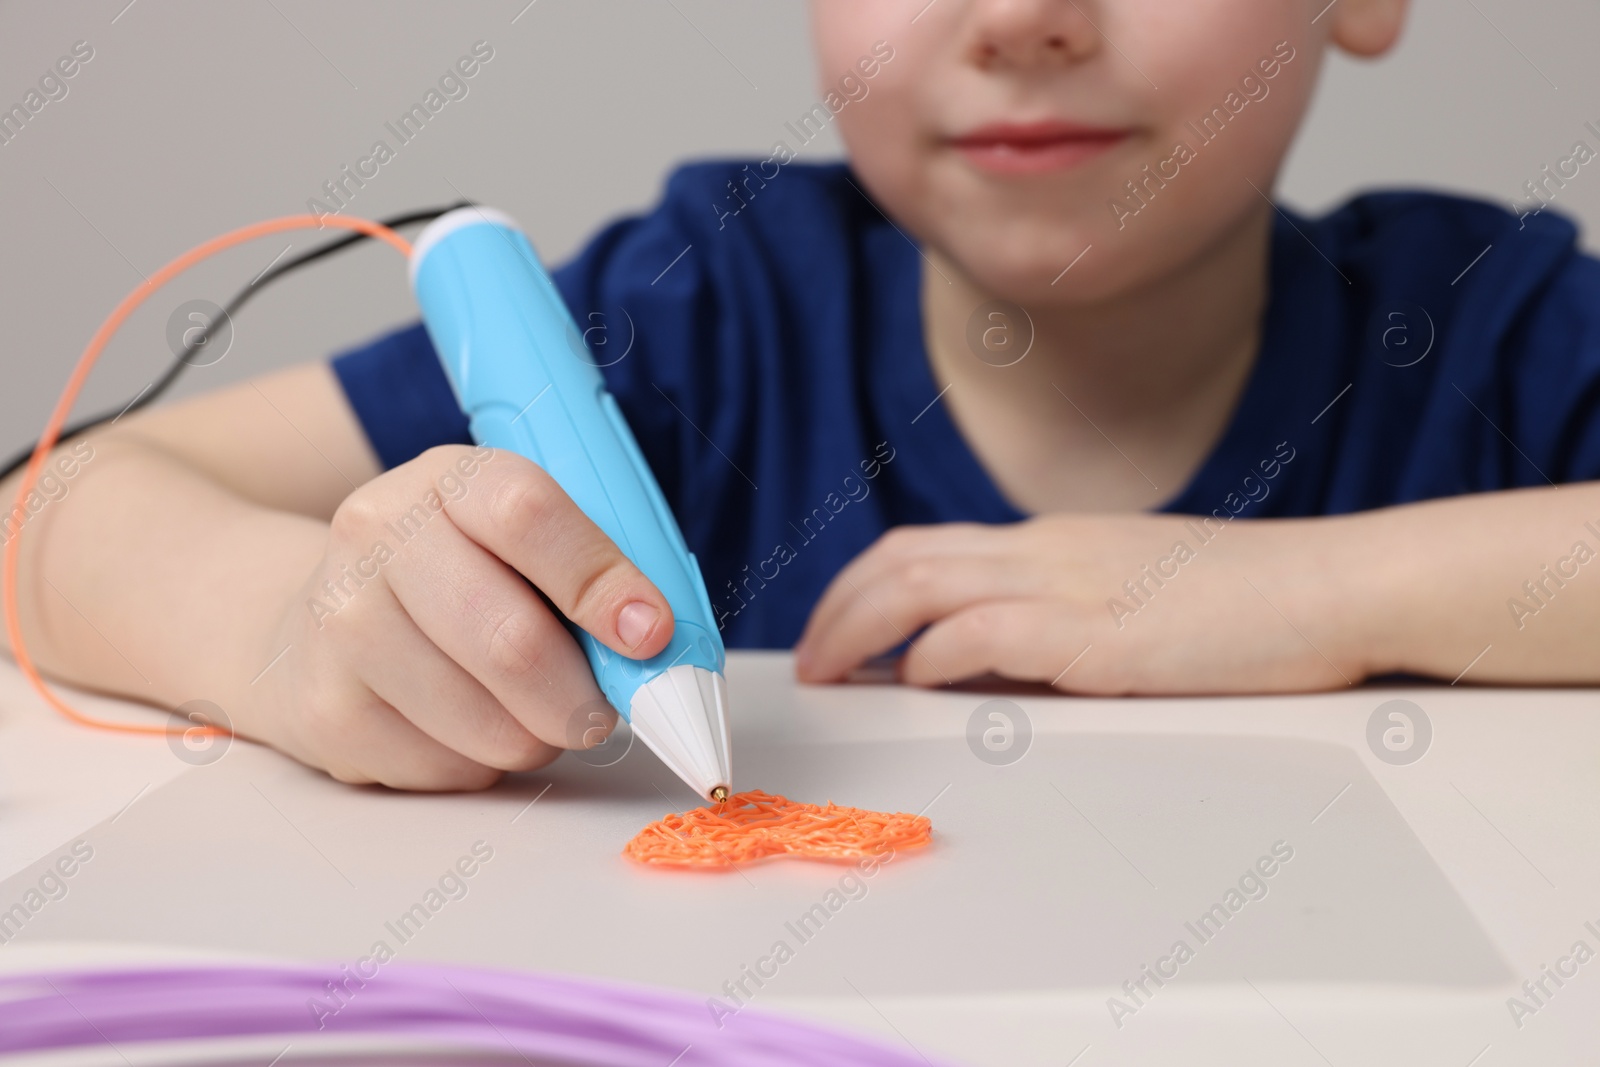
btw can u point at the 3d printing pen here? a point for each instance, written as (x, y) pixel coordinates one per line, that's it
(524, 376)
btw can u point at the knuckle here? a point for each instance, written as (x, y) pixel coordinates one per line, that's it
(599, 585)
(590, 725)
(528, 755)
(356, 514)
(979, 625)
(332, 723)
(348, 775)
(523, 503)
(517, 647)
(513, 748)
(920, 577)
(899, 541)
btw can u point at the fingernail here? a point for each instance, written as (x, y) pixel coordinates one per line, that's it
(636, 622)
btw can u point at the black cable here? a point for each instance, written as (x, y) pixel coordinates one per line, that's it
(240, 299)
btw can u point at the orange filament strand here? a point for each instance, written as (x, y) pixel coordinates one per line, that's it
(753, 826)
(58, 417)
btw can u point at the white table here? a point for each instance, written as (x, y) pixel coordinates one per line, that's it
(1418, 898)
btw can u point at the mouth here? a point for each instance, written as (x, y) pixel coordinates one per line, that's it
(1035, 147)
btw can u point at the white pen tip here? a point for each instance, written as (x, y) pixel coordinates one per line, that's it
(682, 714)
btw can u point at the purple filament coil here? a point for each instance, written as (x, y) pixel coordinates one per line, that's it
(484, 1016)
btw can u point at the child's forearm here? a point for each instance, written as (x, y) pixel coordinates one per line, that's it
(245, 549)
(143, 577)
(1174, 604)
(1494, 587)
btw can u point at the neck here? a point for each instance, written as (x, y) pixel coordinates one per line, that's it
(1157, 370)
(1152, 348)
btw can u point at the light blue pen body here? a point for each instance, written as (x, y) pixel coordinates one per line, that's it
(524, 376)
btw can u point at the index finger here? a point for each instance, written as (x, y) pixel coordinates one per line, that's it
(515, 510)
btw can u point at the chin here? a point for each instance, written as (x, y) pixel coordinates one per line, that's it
(1033, 263)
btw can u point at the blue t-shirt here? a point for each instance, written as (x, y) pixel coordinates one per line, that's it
(771, 365)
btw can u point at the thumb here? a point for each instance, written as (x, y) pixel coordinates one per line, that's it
(528, 522)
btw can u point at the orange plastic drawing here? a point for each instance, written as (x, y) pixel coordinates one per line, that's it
(753, 826)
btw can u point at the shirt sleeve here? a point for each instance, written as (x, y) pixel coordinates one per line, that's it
(1556, 375)
(401, 396)
(644, 300)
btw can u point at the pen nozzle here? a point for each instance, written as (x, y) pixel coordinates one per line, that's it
(720, 794)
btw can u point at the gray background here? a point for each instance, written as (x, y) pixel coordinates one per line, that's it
(196, 117)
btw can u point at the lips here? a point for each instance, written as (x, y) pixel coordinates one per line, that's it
(1036, 147)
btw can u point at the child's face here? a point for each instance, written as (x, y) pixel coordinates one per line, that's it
(1094, 92)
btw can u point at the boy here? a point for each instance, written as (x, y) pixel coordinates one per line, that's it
(1002, 386)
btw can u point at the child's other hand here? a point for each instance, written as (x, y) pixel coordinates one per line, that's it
(1261, 606)
(419, 657)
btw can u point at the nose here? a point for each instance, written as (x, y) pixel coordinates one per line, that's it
(1027, 34)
